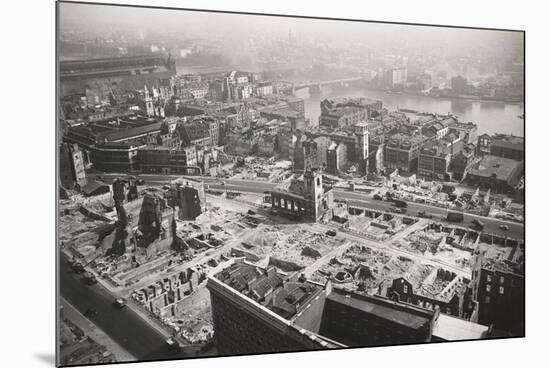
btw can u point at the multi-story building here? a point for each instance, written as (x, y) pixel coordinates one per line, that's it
(364, 320)
(395, 77)
(500, 175)
(238, 85)
(126, 73)
(167, 160)
(296, 120)
(336, 158)
(434, 161)
(294, 104)
(484, 144)
(113, 144)
(200, 131)
(435, 130)
(468, 131)
(259, 310)
(340, 112)
(263, 89)
(376, 154)
(499, 288)
(509, 146)
(116, 156)
(402, 152)
(216, 90)
(501, 145)
(464, 162)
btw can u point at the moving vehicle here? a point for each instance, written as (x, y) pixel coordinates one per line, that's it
(399, 203)
(398, 210)
(477, 224)
(455, 216)
(331, 233)
(424, 214)
(504, 227)
(120, 302)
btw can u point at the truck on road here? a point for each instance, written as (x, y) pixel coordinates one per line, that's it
(424, 214)
(399, 203)
(453, 216)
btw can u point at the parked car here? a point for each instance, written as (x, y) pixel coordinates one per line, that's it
(78, 267)
(331, 233)
(172, 343)
(90, 278)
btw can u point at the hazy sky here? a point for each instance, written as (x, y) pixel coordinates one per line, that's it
(197, 24)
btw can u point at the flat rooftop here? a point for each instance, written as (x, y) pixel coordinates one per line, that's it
(451, 329)
(406, 315)
(498, 167)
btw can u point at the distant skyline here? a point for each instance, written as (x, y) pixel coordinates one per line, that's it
(194, 24)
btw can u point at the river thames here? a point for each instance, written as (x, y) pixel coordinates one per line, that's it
(490, 117)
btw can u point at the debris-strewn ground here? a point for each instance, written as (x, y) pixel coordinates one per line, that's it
(298, 244)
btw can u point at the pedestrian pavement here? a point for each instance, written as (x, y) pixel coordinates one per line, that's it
(95, 333)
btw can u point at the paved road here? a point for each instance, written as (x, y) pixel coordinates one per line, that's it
(124, 326)
(491, 225)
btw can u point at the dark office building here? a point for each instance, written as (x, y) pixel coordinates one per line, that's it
(248, 305)
(499, 288)
(259, 310)
(362, 320)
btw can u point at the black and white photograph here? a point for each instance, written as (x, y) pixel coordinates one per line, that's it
(240, 184)
(274, 184)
